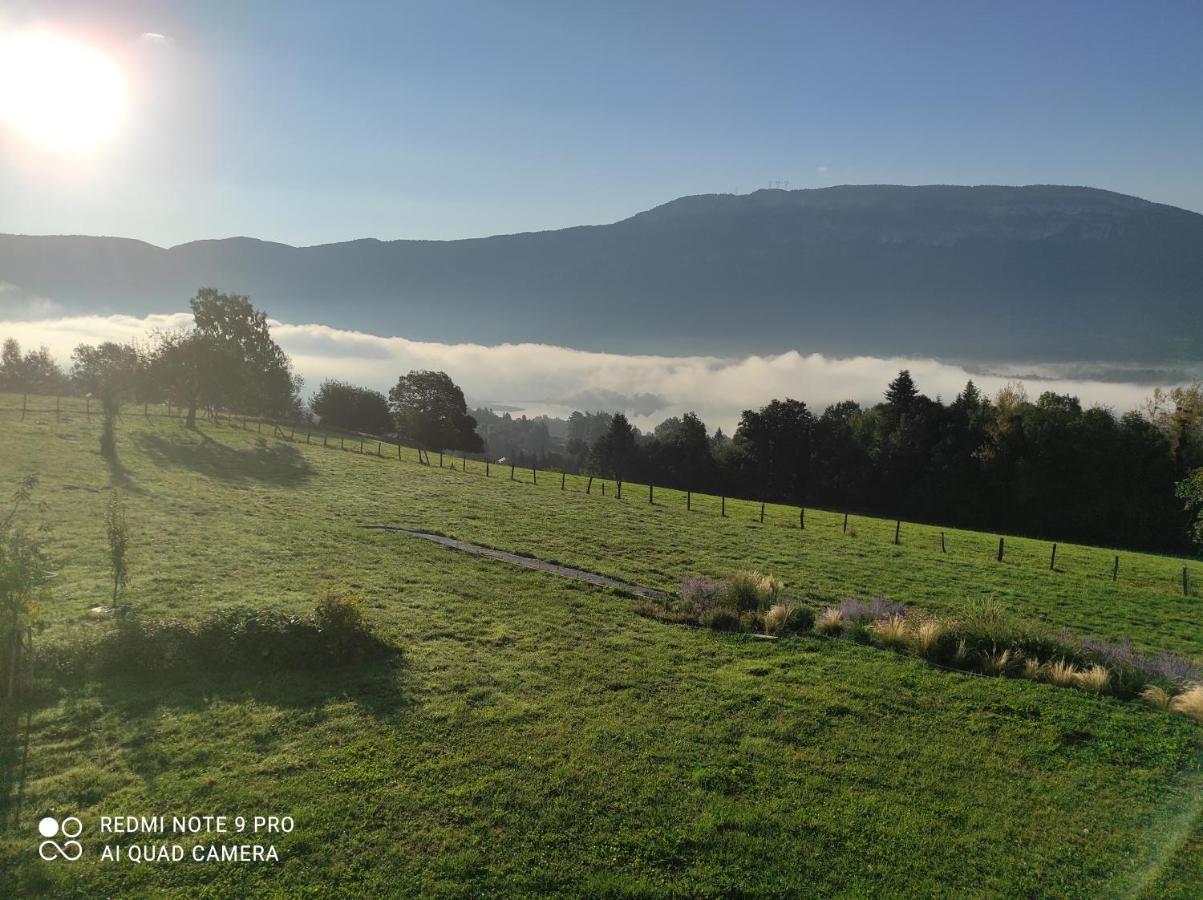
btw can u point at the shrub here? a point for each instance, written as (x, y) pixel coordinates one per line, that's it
(743, 591)
(1032, 669)
(721, 619)
(1189, 703)
(700, 594)
(801, 620)
(891, 633)
(1157, 696)
(333, 634)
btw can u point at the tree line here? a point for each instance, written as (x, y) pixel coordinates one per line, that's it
(1045, 467)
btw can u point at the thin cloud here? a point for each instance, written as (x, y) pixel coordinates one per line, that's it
(545, 378)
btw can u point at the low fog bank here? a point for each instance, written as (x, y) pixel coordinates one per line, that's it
(539, 378)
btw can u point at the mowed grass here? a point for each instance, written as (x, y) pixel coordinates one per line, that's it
(537, 736)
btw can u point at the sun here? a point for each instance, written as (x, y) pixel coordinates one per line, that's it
(60, 95)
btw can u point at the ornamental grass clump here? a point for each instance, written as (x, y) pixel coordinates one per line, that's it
(891, 633)
(830, 621)
(928, 638)
(1093, 680)
(1157, 696)
(1061, 673)
(1189, 703)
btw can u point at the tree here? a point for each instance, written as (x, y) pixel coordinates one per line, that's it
(24, 573)
(185, 365)
(681, 454)
(118, 538)
(777, 441)
(342, 405)
(110, 372)
(255, 375)
(430, 412)
(902, 391)
(227, 359)
(34, 373)
(614, 453)
(1190, 490)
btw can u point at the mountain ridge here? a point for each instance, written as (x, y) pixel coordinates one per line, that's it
(988, 271)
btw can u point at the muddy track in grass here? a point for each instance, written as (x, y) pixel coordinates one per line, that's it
(526, 562)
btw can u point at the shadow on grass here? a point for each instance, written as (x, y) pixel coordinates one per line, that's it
(378, 687)
(278, 464)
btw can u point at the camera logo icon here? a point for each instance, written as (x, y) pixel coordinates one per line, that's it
(70, 849)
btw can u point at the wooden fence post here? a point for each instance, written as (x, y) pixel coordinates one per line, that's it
(761, 512)
(723, 509)
(620, 490)
(688, 500)
(24, 398)
(603, 489)
(1185, 583)
(802, 517)
(589, 486)
(943, 549)
(1052, 560)
(259, 426)
(1000, 549)
(1115, 570)
(562, 477)
(534, 474)
(307, 438)
(379, 448)
(511, 471)
(361, 445)
(486, 468)
(897, 528)
(342, 442)
(651, 498)
(845, 523)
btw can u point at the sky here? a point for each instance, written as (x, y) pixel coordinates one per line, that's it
(315, 122)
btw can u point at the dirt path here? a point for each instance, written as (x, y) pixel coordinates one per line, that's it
(527, 562)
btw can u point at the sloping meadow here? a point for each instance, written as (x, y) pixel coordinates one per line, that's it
(534, 734)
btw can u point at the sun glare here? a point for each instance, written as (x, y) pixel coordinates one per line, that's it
(58, 94)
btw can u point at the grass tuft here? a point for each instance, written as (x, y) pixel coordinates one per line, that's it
(1189, 703)
(1093, 680)
(1157, 696)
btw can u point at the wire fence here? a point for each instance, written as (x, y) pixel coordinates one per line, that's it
(383, 447)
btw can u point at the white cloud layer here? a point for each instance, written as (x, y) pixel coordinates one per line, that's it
(542, 378)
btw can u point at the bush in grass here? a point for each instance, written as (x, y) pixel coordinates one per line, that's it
(721, 619)
(800, 620)
(698, 595)
(860, 612)
(237, 638)
(751, 591)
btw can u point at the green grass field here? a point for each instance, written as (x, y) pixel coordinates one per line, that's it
(535, 735)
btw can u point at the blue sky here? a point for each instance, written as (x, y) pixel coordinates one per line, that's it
(309, 123)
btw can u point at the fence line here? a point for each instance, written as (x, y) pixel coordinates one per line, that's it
(245, 423)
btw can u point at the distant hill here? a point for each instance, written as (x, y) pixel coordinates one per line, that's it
(1020, 273)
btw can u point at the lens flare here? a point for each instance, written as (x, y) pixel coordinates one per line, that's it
(59, 95)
